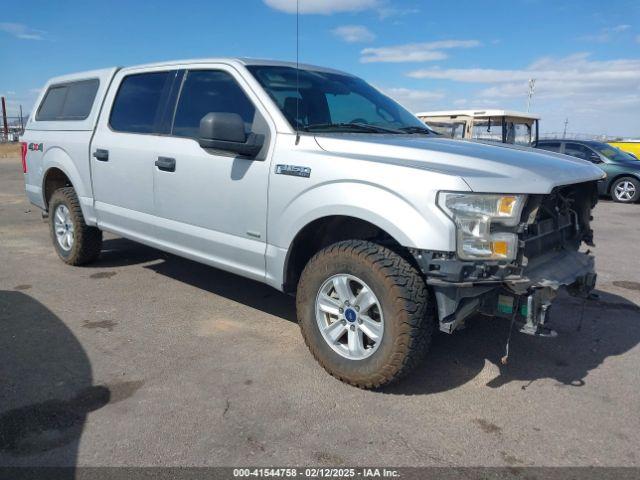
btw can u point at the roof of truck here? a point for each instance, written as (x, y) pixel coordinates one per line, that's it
(240, 60)
(246, 61)
(478, 113)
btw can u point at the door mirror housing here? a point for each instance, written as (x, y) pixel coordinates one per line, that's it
(595, 158)
(225, 131)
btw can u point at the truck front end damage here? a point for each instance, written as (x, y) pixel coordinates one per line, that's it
(550, 231)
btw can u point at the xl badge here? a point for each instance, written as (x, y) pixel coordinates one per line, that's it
(293, 170)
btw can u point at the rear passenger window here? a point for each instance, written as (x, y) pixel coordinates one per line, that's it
(551, 146)
(206, 91)
(139, 103)
(71, 101)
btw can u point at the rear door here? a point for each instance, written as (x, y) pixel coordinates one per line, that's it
(123, 151)
(212, 205)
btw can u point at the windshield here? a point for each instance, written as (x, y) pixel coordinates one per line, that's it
(501, 129)
(613, 153)
(331, 102)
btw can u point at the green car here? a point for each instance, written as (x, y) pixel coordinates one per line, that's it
(623, 170)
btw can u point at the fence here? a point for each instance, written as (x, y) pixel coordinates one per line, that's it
(15, 128)
(579, 136)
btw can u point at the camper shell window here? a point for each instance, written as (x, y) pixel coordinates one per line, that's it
(68, 101)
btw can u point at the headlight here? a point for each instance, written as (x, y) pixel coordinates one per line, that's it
(473, 214)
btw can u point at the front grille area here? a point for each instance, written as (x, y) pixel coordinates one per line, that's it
(559, 220)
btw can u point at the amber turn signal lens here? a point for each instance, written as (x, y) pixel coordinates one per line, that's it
(500, 248)
(506, 204)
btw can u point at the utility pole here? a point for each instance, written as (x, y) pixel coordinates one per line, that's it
(566, 122)
(4, 119)
(21, 122)
(532, 88)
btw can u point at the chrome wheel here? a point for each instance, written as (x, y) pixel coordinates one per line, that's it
(63, 227)
(349, 317)
(624, 191)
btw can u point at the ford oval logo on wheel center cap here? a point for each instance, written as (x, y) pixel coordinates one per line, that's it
(350, 314)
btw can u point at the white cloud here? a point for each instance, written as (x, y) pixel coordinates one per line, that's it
(414, 52)
(414, 100)
(21, 31)
(385, 12)
(354, 33)
(15, 99)
(563, 76)
(606, 34)
(597, 95)
(322, 7)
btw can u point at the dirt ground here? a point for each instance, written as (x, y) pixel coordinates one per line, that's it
(9, 150)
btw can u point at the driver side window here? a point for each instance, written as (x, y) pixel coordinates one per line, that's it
(206, 91)
(579, 151)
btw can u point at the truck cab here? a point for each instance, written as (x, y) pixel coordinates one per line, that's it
(314, 182)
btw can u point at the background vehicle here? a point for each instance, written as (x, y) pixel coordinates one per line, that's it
(630, 146)
(490, 125)
(623, 170)
(314, 182)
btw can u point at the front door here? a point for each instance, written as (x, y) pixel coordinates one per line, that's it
(212, 205)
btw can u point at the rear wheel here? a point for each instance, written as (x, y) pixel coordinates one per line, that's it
(75, 242)
(626, 190)
(364, 312)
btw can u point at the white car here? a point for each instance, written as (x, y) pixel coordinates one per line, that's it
(317, 184)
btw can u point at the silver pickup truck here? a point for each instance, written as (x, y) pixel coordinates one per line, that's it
(314, 182)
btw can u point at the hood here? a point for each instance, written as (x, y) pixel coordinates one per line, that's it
(631, 164)
(484, 167)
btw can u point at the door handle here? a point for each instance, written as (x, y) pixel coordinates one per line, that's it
(101, 155)
(166, 164)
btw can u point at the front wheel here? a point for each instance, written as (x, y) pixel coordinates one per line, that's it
(626, 190)
(364, 312)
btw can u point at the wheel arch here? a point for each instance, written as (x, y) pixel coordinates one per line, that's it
(60, 170)
(324, 231)
(58, 165)
(53, 179)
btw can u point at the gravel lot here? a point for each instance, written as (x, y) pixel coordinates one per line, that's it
(145, 358)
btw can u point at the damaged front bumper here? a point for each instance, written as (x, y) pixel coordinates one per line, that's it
(551, 232)
(524, 295)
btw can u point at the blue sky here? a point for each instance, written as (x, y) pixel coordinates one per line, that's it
(429, 55)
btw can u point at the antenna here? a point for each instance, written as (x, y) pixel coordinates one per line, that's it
(532, 88)
(297, 70)
(566, 122)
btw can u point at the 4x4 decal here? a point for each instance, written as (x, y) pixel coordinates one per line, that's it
(36, 147)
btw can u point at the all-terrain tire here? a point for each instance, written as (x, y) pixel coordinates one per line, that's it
(87, 241)
(407, 306)
(626, 190)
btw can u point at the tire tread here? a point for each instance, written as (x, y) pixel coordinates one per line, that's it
(412, 305)
(87, 240)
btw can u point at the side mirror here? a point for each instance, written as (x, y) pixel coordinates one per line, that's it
(595, 158)
(225, 131)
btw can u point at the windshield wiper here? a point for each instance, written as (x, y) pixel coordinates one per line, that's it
(362, 127)
(416, 129)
